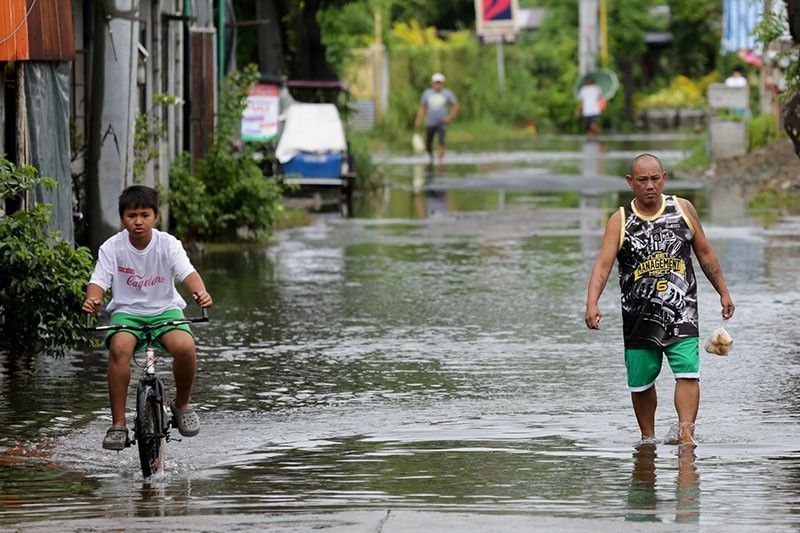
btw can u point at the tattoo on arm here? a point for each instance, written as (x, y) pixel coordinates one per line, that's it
(598, 284)
(692, 211)
(713, 272)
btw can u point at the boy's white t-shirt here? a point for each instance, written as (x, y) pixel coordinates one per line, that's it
(142, 281)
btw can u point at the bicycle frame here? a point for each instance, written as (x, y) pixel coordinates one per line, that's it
(151, 424)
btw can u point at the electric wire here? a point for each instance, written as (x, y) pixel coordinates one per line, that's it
(19, 25)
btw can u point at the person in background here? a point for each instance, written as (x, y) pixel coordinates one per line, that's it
(652, 240)
(736, 79)
(441, 106)
(592, 104)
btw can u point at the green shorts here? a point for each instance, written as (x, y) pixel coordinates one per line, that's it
(128, 319)
(644, 364)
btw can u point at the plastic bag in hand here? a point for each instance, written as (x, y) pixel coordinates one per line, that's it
(719, 343)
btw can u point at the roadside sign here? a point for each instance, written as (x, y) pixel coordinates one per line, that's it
(260, 117)
(495, 20)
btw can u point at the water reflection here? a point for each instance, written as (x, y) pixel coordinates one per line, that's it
(429, 200)
(687, 487)
(727, 205)
(437, 360)
(643, 501)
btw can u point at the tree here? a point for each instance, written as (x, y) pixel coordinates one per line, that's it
(629, 21)
(696, 33)
(289, 40)
(772, 28)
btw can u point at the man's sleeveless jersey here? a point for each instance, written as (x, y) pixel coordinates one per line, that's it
(656, 277)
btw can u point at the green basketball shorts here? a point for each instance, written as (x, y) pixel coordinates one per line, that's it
(128, 319)
(644, 364)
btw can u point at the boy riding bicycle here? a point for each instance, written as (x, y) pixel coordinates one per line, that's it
(139, 264)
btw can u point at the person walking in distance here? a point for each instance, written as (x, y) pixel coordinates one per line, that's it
(592, 104)
(441, 106)
(652, 240)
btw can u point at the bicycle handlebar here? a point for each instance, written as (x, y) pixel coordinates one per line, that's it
(149, 327)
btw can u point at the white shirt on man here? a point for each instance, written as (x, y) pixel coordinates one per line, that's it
(590, 100)
(142, 282)
(736, 81)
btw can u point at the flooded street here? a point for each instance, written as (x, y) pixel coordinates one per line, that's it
(430, 356)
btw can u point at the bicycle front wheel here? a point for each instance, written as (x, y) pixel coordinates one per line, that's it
(149, 428)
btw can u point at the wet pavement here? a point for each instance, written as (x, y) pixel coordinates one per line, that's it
(425, 367)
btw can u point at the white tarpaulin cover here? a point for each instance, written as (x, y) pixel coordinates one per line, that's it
(315, 128)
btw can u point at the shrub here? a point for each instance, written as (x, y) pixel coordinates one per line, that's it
(761, 130)
(682, 92)
(42, 277)
(227, 189)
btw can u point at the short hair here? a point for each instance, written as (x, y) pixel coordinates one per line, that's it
(644, 156)
(738, 68)
(138, 196)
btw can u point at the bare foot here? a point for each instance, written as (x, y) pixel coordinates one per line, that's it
(686, 436)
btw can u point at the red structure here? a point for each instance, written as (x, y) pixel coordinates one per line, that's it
(36, 30)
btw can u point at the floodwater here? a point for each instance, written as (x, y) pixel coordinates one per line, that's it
(425, 367)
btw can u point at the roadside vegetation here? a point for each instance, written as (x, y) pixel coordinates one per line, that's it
(224, 195)
(42, 276)
(540, 68)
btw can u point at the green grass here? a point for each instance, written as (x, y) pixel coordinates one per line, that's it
(698, 156)
(774, 198)
(762, 130)
(290, 217)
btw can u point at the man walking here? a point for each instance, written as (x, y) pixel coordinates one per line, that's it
(652, 240)
(441, 106)
(592, 105)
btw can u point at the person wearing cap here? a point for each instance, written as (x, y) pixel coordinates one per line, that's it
(441, 106)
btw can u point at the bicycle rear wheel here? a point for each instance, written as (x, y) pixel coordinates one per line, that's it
(149, 427)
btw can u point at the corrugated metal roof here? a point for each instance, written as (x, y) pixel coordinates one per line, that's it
(39, 30)
(13, 30)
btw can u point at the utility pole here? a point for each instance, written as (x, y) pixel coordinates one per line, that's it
(589, 36)
(378, 59)
(501, 66)
(111, 130)
(603, 34)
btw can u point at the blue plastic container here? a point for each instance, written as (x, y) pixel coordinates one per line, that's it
(311, 165)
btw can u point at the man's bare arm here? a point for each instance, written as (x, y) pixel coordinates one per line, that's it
(602, 270)
(420, 113)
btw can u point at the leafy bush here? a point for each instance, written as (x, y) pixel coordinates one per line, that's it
(682, 92)
(42, 277)
(368, 175)
(418, 52)
(761, 130)
(226, 191)
(190, 208)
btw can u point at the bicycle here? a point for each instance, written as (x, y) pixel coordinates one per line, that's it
(151, 423)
